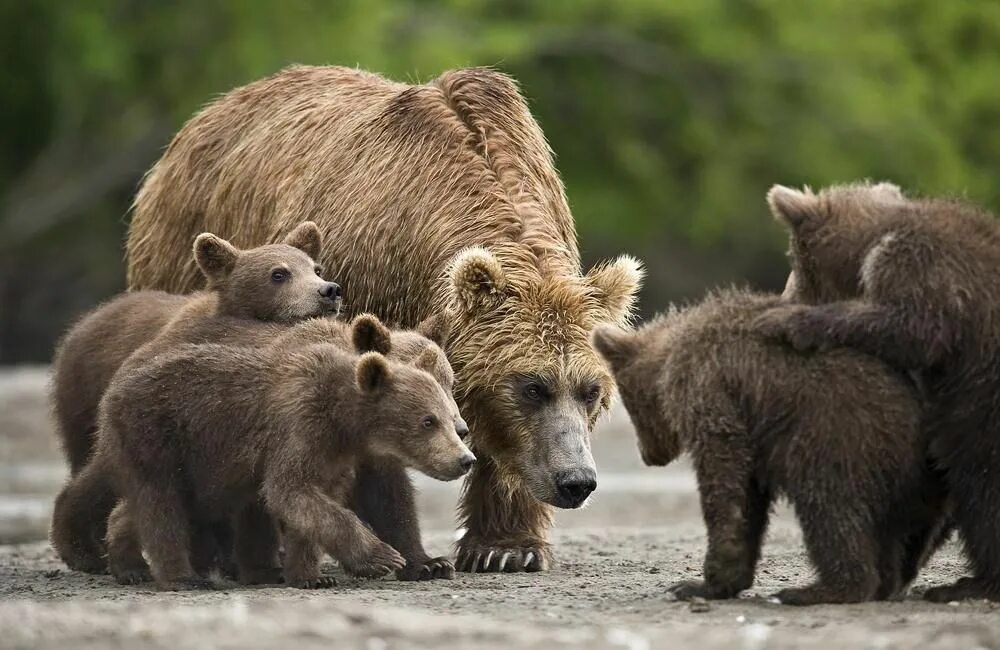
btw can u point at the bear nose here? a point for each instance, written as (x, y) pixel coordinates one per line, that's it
(467, 462)
(330, 290)
(574, 486)
(461, 428)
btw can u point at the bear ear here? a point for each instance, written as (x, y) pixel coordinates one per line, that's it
(369, 334)
(793, 207)
(307, 238)
(617, 284)
(215, 256)
(888, 191)
(477, 280)
(436, 328)
(614, 344)
(372, 372)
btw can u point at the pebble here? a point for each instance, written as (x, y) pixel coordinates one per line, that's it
(699, 606)
(654, 569)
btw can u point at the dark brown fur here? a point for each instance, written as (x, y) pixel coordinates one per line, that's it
(837, 433)
(285, 426)
(916, 283)
(241, 289)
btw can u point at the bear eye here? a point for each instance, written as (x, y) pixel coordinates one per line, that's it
(591, 394)
(279, 275)
(429, 422)
(534, 391)
(319, 271)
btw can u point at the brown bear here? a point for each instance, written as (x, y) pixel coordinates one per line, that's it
(916, 283)
(837, 433)
(391, 513)
(278, 283)
(273, 283)
(205, 430)
(443, 196)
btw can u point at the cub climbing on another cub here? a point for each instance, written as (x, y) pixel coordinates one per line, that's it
(837, 433)
(230, 425)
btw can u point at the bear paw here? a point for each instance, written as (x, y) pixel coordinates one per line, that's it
(963, 589)
(381, 561)
(691, 589)
(430, 569)
(499, 559)
(133, 576)
(261, 576)
(319, 582)
(795, 325)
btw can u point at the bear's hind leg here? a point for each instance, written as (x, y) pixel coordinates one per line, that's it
(164, 531)
(124, 550)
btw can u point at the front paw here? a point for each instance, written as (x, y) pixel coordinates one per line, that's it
(381, 560)
(429, 569)
(315, 582)
(794, 325)
(261, 576)
(486, 558)
(691, 589)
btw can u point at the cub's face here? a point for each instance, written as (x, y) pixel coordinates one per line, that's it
(280, 283)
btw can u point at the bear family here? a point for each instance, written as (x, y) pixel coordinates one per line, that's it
(446, 200)
(838, 433)
(915, 282)
(205, 430)
(273, 283)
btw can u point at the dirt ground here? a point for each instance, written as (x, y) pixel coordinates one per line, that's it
(615, 560)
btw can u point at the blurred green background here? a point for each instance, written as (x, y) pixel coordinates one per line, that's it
(670, 119)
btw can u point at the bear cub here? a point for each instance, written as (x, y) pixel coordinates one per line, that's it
(837, 433)
(203, 431)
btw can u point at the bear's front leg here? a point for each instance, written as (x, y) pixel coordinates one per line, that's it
(506, 527)
(383, 499)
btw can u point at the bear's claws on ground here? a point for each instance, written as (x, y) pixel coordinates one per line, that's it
(430, 569)
(501, 560)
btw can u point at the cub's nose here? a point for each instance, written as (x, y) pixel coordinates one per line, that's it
(461, 428)
(574, 486)
(330, 290)
(468, 460)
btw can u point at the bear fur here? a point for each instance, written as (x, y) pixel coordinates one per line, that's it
(240, 287)
(231, 425)
(433, 198)
(837, 433)
(915, 282)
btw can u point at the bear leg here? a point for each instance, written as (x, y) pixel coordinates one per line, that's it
(124, 551)
(79, 519)
(256, 546)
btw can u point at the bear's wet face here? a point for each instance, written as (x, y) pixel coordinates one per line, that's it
(277, 282)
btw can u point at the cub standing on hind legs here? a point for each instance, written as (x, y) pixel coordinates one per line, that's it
(230, 425)
(917, 284)
(837, 433)
(278, 283)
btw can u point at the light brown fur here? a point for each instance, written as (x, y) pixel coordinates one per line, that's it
(407, 182)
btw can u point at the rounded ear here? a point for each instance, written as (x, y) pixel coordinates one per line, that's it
(615, 345)
(372, 372)
(307, 238)
(793, 207)
(369, 334)
(617, 283)
(215, 256)
(436, 328)
(427, 360)
(477, 280)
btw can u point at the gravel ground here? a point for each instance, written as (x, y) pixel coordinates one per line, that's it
(615, 559)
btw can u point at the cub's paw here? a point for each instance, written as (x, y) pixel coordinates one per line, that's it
(691, 589)
(319, 582)
(93, 563)
(133, 575)
(963, 589)
(818, 595)
(430, 569)
(380, 561)
(484, 558)
(795, 325)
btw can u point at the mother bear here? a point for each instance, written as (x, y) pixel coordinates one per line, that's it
(440, 198)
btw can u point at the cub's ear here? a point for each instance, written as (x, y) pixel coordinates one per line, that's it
(793, 207)
(617, 283)
(369, 334)
(372, 372)
(307, 238)
(888, 191)
(215, 256)
(614, 344)
(427, 360)
(436, 328)
(477, 280)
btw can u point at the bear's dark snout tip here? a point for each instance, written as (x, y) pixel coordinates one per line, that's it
(466, 463)
(574, 486)
(330, 290)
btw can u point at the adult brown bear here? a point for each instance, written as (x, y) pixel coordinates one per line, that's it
(436, 198)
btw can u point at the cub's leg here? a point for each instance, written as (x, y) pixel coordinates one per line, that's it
(256, 546)
(302, 563)
(124, 550)
(383, 499)
(79, 518)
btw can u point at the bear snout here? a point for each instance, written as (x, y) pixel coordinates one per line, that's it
(574, 486)
(330, 290)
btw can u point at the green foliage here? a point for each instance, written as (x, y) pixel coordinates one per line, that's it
(670, 119)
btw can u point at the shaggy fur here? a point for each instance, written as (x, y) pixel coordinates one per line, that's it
(242, 291)
(403, 180)
(837, 433)
(232, 425)
(916, 283)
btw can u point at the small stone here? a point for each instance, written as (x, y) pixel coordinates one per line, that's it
(654, 569)
(953, 603)
(699, 606)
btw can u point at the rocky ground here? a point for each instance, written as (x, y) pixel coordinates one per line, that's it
(615, 559)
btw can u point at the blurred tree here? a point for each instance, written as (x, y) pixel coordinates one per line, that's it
(670, 120)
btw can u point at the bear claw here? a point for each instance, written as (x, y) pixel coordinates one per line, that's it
(429, 569)
(501, 560)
